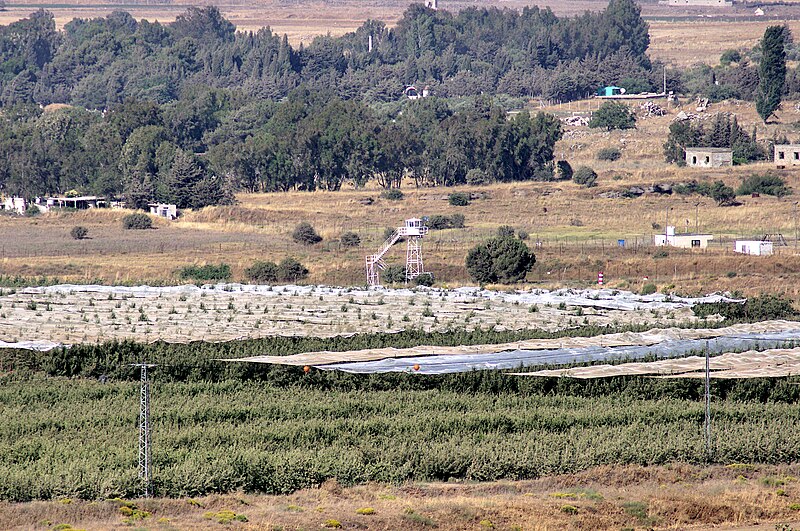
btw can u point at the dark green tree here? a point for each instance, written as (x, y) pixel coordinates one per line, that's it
(613, 115)
(501, 259)
(771, 71)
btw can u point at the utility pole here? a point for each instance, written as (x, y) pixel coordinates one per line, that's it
(144, 428)
(708, 404)
(795, 226)
(696, 223)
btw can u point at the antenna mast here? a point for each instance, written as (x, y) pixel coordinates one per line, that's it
(144, 428)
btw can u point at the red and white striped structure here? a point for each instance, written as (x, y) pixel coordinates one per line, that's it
(600, 278)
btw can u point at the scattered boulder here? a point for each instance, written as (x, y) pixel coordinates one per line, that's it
(613, 194)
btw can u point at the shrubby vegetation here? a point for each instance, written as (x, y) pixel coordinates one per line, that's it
(305, 233)
(610, 154)
(458, 199)
(760, 308)
(137, 221)
(718, 191)
(767, 184)
(288, 270)
(79, 232)
(585, 176)
(350, 239)
(442, 222)
(210, 272)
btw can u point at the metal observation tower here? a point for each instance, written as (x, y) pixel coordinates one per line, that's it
(413, 231)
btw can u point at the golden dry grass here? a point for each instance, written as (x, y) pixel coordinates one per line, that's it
(665, 497)
(685, 43)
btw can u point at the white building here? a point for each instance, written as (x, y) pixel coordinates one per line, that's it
(707, 157)
(684, 241)
(753, 247)
(164, 210)
(15, 204)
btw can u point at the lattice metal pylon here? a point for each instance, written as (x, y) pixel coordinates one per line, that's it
(144, 429)
(414, 265)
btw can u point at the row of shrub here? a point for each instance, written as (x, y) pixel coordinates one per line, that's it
(287, 270)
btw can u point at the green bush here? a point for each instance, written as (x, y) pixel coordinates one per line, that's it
(393, 194)
(394, 274)
(760, 308)
(305, 234)
(262, 271)
(291, 270)
(350, 239)
(477, 177)
(424, 279)
(503, 260)
(611, 154)
(767, 184)
(563, 170)
(649, 289)
(137, 221)
(505, 231)
(439, 222)
(206, 272)
(585, 176)
(458, 199)
(79, 232)
(613, 115)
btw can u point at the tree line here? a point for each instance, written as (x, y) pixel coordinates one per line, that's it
(99, 62)
(197, 151)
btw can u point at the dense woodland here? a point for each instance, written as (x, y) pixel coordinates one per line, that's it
(193, 111)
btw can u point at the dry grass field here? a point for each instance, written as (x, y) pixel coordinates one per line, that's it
(742, 497)
(573, 230)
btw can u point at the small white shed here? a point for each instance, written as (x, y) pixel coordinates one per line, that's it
(164, 210)
(753, 247)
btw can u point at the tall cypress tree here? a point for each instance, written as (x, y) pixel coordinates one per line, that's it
(771, 71)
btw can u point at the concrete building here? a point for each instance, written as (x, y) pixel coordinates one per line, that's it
(164, 210)
(707, 157)
(753, 247)
(787, 155)
(684, 241)
(15, 204)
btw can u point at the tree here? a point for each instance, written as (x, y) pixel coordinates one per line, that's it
(771, 71)
(586, 176)
(290, 270)
(722, 193)
(79, 232)
(613, 115)
(304, 233)
(501, 259)
(262, 271)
